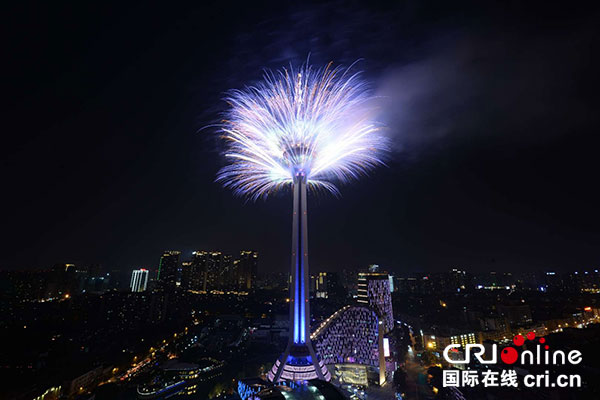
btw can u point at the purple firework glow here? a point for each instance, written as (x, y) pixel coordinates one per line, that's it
(314, 121)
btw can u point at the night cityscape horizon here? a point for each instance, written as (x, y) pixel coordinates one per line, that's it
(301, 201)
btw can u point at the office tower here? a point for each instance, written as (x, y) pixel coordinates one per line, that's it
(168, 268)
(327, 285)
(211, 271)
(214, 271)
(374, 291)
(186, 275)
(62, 280)
(198, 270)
(246, 269)
(228, 278)
(139, 280)
(321, 285)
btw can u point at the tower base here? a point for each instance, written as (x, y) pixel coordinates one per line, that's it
(299, 362)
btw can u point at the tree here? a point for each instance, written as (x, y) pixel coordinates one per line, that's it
(428, 358)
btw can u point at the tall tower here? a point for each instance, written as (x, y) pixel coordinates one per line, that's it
(300, 126)
(299, 362)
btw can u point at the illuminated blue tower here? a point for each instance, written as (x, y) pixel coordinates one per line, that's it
(299, 362)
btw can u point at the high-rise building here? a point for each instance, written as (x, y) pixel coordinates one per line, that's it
(228, 275)
(374, 291)
(214, 271)
(139, 280)
(327, 285)
(186, 275)
(168, 269)
(198, 270)
(62, 280)
(210, 271)
(321, 285)
(246, 270)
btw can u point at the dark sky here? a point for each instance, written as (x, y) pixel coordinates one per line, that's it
(492, 109)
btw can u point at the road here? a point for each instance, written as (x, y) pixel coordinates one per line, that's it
(416, 380)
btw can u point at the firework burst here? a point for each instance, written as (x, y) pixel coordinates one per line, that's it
(313, 121)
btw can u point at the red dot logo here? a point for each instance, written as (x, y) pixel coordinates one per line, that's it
(519, 340)
(531, 336)
(509, 355)
(542, 340)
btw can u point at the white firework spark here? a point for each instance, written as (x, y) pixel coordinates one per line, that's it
(314, 121)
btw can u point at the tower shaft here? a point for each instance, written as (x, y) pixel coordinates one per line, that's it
(299, 361)
(299, 299)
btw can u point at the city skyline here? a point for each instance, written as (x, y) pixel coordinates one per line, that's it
(362, 324)
(489, 266)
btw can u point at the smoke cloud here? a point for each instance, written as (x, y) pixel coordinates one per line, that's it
(474, 87)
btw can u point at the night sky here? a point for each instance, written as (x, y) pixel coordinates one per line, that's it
(492, 111)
